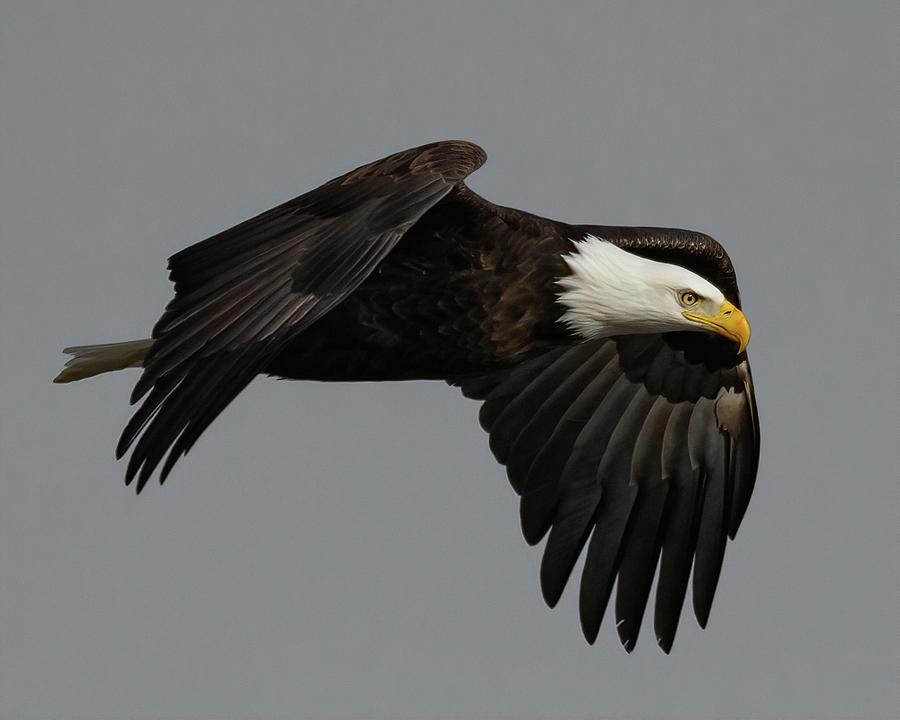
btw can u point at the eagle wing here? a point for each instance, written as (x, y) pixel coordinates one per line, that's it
(637, 449)
(241, 295)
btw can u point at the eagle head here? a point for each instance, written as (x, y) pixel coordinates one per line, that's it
(610, 291)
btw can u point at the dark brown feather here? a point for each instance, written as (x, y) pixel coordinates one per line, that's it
(643, 540)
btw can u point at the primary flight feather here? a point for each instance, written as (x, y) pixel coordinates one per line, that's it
(611, 361)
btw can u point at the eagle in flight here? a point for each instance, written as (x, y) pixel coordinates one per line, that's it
(610, 361)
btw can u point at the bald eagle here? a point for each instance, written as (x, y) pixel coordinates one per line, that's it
(610, 361)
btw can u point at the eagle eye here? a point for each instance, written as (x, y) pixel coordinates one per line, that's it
(688, 298)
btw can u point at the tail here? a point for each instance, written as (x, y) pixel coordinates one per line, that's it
(90, 360)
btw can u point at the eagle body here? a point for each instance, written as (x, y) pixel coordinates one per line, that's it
(610, 361)
(455, 297)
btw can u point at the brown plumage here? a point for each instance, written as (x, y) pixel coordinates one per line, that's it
(641, 447)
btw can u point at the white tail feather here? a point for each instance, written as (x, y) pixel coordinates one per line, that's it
(90, 360)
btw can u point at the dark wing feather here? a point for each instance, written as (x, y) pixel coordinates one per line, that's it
(243, 294)
(707, 448)
(538, 504)
(584, 480)
(541, 424)
(528, 403)
(641, 447)
(640, 556)
(680, 531)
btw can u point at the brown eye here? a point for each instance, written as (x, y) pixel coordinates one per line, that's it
(688, 298)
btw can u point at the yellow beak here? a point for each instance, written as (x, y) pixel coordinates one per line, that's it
(730, 323)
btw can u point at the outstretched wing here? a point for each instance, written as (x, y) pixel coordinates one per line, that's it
(242, 294)
(640, 448)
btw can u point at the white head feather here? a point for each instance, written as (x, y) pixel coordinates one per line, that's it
(611, 291)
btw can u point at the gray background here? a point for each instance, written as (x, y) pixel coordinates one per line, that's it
(331, 551)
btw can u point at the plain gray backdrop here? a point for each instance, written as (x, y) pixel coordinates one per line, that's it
(353, 550)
